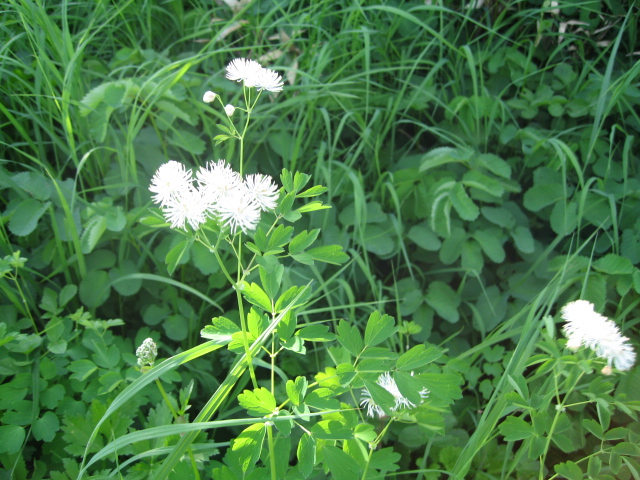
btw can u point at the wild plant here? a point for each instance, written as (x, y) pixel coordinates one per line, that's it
(247, 223)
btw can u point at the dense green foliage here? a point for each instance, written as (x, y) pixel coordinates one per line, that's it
(482, 165)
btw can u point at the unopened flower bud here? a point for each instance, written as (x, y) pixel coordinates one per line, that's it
(229, 109)
(607, 370)
(147, 352)
(208, 97)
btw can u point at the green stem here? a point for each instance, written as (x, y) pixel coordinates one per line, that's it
(373, 445)
(214, 250)
(166, 399)
(272, 451)
(246, 91)
(366, 467)
(423, 460)
(559, 409)
(247, 100)
(243, 320)
(235, 284)
(196, 473)
(240, 272)
(250, 265)
(273, 363)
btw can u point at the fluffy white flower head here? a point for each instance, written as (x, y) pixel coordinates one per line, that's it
(188, 207)
(217, 180)
(262, 191)
(387, 382)
(170, 180)
(229, 109)
(237, 211)
(244, 70)
(586, 327)
(219, 192)
(269, 80)
(208, 97)
(252, 74)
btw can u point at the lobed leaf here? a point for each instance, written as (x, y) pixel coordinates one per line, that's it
(271, 271)
(259, 402)
(222, 330)
(306, 454)
(569, 470)
(316, 333)
(279, 237)
(416, 357)
(331, 430)
(385, 460)
(246, 447)
(379, 328)
(341, 465)
(296, 390)
(313, 192)
(349, 337)
(253, 294)
(312, 207)
(515, 428)
(303, 240)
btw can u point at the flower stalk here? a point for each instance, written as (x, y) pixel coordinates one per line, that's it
(218, 194)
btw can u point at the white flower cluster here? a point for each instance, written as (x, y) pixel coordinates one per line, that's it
(387, 382)
(147, 352)
(252, 74)
(585, 327)
(217, 191)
